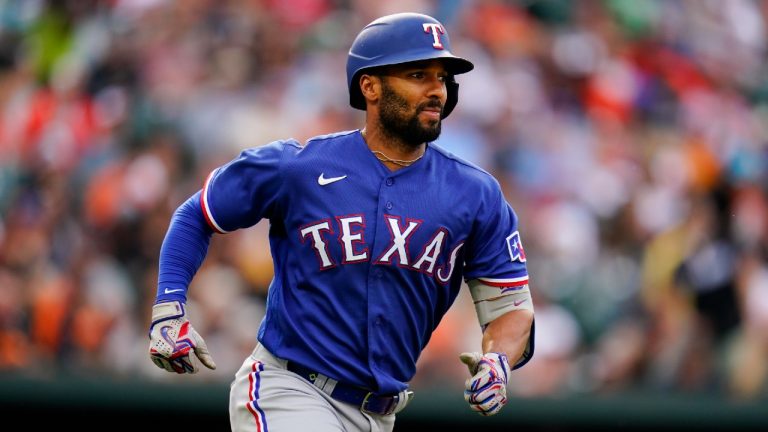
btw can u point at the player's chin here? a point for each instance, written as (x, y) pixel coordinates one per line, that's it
(429, 134)
(430, 125)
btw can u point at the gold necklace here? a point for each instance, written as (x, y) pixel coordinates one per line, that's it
(404, 163)
(384, 158)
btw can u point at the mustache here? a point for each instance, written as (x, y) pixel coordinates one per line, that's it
(434, 103)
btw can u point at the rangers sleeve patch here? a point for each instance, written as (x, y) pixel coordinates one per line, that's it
(515, 247)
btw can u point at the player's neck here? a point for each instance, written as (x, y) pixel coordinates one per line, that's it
(393, 153)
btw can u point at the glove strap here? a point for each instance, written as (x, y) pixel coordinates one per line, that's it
(167, 310)
(503, 363)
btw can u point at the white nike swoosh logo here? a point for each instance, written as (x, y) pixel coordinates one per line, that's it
(170, 291)
(322, 181)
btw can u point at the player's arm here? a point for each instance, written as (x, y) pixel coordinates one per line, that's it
(507, 318)
(236, 195)
(173, 340)
(510, 334)
(506, 315)
(497, 276)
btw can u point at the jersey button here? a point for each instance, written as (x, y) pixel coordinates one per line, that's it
(389, 205)
(390, 182)
(378, 321)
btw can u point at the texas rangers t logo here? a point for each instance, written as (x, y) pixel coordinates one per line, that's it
(436, 30)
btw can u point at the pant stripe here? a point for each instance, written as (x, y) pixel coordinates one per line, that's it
(253, 396)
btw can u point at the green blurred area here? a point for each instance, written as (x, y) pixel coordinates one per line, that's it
(85, 402)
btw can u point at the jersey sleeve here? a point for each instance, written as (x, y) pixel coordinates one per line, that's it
(245, 190)
(495, 254)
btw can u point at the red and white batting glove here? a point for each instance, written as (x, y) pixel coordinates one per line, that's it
(172, 339)
(486, 391)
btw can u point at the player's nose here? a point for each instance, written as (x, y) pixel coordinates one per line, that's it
(435, 88)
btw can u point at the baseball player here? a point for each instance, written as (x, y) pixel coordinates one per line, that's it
(372, 232)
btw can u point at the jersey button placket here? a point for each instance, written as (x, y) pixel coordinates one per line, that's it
(378, 283)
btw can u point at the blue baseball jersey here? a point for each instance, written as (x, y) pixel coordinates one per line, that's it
(367, 261)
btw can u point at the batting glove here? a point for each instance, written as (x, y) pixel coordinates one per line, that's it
(486, 391)
(172, 339)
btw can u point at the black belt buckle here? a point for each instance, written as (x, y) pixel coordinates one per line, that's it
(385, 405)
(391, 403)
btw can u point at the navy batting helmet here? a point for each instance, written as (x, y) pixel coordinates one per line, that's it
(403, 38)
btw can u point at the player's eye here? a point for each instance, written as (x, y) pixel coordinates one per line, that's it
(418, 75)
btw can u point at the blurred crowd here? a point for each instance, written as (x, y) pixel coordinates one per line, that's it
(631, 137)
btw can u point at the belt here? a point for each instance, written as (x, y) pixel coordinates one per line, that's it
(368, 401)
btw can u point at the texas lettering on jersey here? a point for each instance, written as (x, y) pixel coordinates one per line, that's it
(355, 250)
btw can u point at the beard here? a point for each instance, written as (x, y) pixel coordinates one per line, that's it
(398, 123)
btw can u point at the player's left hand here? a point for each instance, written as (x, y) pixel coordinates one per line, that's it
(486, 391)
(174, 344)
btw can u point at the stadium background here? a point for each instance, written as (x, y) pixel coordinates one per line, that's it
(630, 136)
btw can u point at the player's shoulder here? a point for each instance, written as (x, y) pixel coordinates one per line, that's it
(331, 138)
(464, 169)
(272, 148)
(294, 156)
(295, 146)
(321, 147)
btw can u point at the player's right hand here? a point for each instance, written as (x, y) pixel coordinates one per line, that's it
(172, 340)
(486, 390)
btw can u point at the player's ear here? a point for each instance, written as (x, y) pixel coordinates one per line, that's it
(370, 87)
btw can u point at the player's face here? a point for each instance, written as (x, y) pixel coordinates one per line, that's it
(412, 100)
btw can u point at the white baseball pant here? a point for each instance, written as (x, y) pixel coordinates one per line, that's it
(266, 397)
